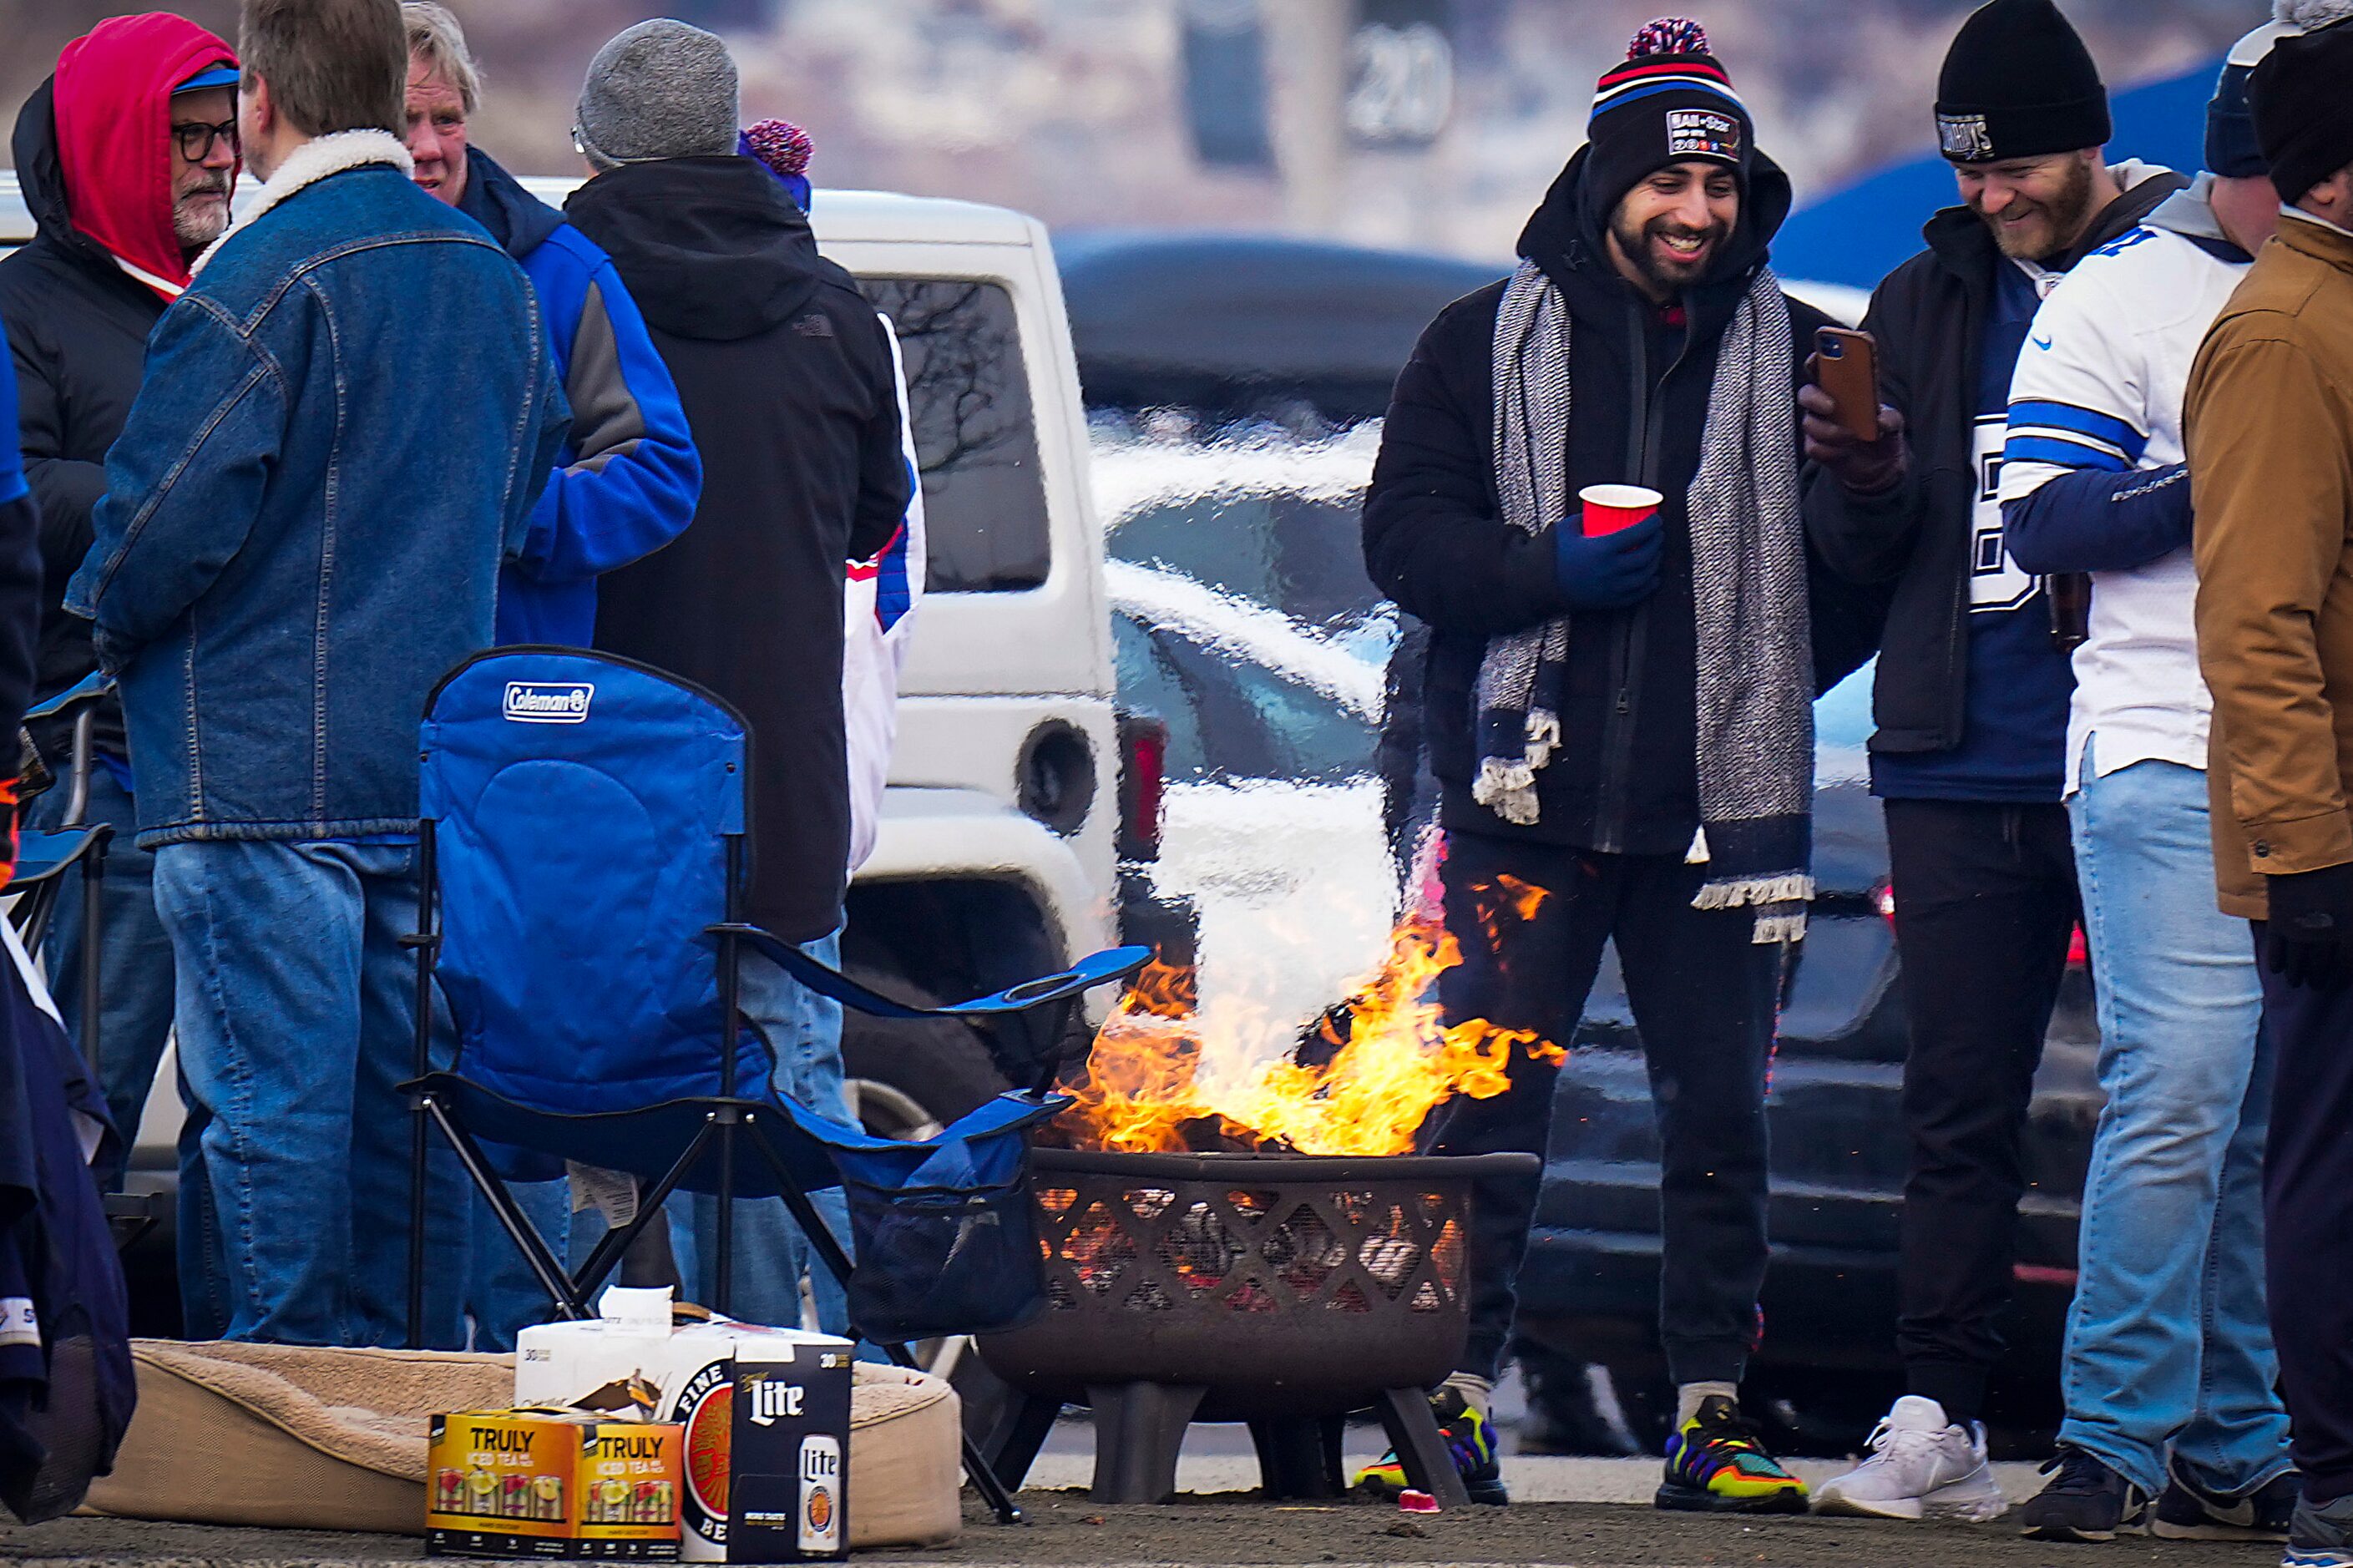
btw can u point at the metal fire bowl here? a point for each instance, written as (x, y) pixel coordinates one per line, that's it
(1286, 1284)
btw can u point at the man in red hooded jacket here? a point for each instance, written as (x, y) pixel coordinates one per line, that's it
(127, 158)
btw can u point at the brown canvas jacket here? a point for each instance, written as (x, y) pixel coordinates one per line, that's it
(2268, 420)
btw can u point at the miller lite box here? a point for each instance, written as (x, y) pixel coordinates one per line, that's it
(552, 1483)
(765, 1413)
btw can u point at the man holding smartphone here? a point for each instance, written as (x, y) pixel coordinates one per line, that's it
(1971, 703)
(1620, 721)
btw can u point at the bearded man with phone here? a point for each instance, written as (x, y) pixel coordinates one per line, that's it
(1971, 703)
(1619, 698)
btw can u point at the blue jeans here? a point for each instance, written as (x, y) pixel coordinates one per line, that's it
(295, 1003)
(804, 1029)
(2168, 1341)
(134, 1017)
(502, 1295)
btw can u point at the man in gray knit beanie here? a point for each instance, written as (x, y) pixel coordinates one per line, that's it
(660, 89)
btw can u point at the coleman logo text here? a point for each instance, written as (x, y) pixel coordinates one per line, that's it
(548, 702)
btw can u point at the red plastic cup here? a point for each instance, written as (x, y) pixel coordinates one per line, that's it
(1608, 507)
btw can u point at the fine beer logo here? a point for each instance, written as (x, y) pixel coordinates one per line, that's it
(771, 1400)
(548, 701)
(706, 1407)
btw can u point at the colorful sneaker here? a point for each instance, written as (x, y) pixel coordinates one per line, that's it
(1921, 1467)
(1716, 1465)
(2321, 1537)
(1468, 1438)
(2188, 1512)
(2084, 1501)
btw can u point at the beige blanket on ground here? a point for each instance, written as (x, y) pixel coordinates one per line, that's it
(334, 1440)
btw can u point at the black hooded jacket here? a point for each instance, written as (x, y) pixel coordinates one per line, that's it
(786, 376)
(77, 331)
(1928, 318)
(1625, 778)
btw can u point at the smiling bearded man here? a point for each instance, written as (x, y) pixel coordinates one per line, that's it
(1623, 720)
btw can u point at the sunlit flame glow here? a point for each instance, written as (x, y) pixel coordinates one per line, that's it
(1163, 1078)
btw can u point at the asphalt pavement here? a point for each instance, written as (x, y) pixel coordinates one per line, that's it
(1067, 1529)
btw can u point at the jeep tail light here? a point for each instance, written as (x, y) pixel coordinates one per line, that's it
(1143, 759)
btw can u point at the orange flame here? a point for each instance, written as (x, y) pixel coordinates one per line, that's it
(1157, 1067)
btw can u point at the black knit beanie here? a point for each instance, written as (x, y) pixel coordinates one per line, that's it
(2018, 83)
(1669, 103)
(2304, 115)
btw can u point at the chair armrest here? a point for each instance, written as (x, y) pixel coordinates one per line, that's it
(1095, 969)
(88, 688)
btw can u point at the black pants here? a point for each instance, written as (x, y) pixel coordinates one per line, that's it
(1703, 994)
(2308, 1225)
(1985, 903)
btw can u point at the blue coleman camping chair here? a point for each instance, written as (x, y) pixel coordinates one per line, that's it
(583, 850)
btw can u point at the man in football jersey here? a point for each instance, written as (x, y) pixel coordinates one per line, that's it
(2169, 1371)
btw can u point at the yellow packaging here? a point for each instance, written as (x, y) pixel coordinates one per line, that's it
(552, 1483)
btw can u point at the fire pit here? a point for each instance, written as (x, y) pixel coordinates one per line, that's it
(1282, 1290)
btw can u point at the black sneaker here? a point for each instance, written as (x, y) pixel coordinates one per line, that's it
(1468, 1438)
(2084, 1501)
(2188, 1512)
(2321, 1537)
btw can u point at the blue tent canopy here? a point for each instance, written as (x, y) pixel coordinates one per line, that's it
(1857, 235)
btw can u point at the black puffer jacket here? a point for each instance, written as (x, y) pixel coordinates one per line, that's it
(1625, 778)
(786, 377)
(1928, 318)
(78, 332)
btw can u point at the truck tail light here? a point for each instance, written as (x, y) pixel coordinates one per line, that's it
(1143, 759)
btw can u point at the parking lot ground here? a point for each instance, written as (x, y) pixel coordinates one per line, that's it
(1065, 1528)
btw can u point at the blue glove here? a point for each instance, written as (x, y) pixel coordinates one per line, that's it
(1611, 572)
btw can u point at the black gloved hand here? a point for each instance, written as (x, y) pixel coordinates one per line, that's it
(1611, 572)
(2308, 940)
(1865, 462)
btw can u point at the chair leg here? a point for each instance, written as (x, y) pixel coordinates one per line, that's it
(615, 1243)
(1020, 1429)
(1420, 1446)
(828, 1251)
(552, 1277)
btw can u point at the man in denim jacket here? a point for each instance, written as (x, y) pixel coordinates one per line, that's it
(346, 421)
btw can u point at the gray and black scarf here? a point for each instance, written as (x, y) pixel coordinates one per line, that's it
(1756, 730)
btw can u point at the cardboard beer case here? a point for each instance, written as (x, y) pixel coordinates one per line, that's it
(765, 1413)
(552, 1483)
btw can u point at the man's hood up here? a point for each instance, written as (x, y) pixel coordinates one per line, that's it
(518, 220)
(99, 135)
(712, 247)
(1564, 229)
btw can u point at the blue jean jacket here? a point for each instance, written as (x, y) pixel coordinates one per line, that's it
(343, 425)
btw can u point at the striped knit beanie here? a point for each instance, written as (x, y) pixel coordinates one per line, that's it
(1669, 101)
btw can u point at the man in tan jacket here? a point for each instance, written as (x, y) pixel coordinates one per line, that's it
(2269, 426)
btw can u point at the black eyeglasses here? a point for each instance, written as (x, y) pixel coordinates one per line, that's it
(197, 140)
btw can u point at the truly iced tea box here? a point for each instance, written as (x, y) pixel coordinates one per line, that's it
(765, 1413)
(552, 1483)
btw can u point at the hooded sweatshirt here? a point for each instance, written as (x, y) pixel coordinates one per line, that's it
(113, 106)
(77, 319)
(786, 377)
(1625, 778)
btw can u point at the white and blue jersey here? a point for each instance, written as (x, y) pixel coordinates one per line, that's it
(2093, 477)
(2014, 723)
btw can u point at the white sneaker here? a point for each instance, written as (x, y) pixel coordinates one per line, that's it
(1921, 1467)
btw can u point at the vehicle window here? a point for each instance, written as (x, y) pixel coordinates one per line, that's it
(976, 432)
(1230, 719)
(1149, 683)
